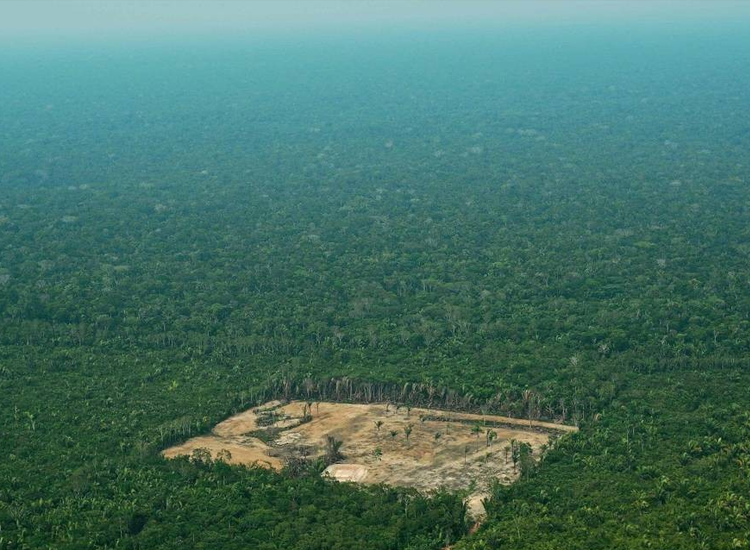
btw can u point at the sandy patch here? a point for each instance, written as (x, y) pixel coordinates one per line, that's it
(443, 450)
(242, 452)
(347, 472)
(238, 424)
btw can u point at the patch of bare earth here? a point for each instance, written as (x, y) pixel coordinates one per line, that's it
(460, 458)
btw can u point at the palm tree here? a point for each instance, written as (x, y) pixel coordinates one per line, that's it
(476, 430)
(333, 449)
(491, 435)
(515, 453)
(525, 457)
(528, 400)
(407, 432)
(394, 433)
(307, 412)
(378, 425)
(437, 437)
(483, 409)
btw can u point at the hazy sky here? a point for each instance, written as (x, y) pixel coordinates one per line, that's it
(102, 18)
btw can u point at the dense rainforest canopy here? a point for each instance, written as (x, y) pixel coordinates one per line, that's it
(494, 214)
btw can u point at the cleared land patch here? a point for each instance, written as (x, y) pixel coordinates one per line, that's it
(422, 448)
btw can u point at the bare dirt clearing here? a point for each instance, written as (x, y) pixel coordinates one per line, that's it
(457, 451)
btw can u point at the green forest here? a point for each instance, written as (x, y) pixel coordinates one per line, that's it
(532, 227)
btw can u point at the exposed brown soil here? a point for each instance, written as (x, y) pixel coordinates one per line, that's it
(458, 459)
